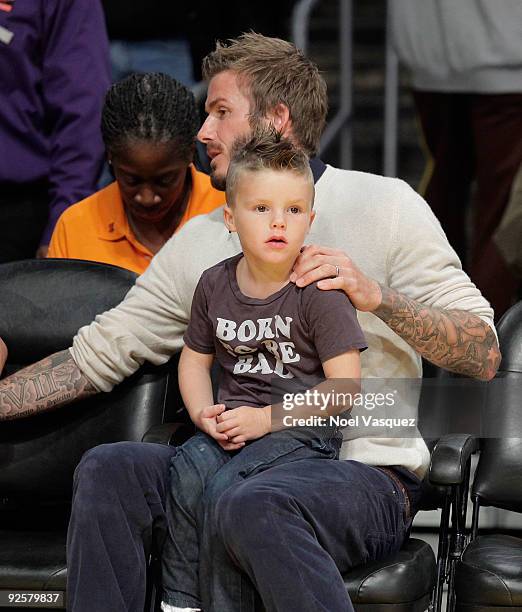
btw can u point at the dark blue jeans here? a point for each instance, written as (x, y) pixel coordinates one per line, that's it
(289, 534)
(200, 471)
(286, 533)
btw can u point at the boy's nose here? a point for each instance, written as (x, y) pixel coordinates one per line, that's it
(278, 222)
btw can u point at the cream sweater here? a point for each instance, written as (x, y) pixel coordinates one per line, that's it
(381, 223)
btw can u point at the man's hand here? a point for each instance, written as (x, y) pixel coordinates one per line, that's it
(3, 354)
(456, 340)
(244, 423)
(317, 263)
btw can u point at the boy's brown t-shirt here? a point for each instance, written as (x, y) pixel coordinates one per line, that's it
(262, 343)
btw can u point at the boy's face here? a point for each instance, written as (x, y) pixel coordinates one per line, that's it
(272, 214)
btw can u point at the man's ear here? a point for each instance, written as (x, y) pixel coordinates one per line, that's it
(279, 117)
(228, 217)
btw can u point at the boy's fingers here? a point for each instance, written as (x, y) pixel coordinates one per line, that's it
(238, 440)
(235, 431)
(217, 435)
(208, 412)
(228, 414)
(228, 446)
(226, 425)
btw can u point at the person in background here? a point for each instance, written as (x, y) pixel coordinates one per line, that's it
(149, 126)
(54, 72)
(150, 36)
(466, 63)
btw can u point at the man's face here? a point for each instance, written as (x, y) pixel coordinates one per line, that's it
(228, 119)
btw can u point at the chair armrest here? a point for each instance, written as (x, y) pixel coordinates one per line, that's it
(169, 433)
(450, 457)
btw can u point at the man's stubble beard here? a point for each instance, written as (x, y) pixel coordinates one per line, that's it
(219, 182)
(257, 127)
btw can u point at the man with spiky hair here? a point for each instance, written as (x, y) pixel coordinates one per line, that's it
(387, 252)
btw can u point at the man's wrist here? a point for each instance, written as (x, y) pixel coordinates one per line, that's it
(379, 293)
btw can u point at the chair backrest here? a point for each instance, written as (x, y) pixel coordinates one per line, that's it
(42, 305)
(499, 472)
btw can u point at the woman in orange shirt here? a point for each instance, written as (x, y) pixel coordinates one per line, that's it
(149, 127)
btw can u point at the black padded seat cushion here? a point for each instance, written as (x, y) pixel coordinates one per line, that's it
(405, 577)
(490, 572)
(32, 560)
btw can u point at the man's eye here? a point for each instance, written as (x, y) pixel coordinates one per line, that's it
(221, 112)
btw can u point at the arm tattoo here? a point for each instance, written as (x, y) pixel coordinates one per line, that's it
(50, 383)
(452, 339)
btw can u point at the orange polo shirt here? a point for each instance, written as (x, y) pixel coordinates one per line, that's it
(97, 228)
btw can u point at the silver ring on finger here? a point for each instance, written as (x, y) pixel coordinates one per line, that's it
(336, 271)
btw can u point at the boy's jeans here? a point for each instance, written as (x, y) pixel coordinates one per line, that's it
(200, 471)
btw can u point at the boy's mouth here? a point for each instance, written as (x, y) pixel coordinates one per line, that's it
(277, 241)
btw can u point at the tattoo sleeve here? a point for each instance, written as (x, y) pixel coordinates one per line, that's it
(452, 339)
(49, 383)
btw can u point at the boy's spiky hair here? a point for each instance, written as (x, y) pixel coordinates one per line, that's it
(266, 149)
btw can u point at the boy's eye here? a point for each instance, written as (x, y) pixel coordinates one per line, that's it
(295, 209)
(260, 208)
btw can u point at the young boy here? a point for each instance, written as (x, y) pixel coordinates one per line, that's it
(263, 330)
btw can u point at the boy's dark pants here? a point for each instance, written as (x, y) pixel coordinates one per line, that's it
(200, 472)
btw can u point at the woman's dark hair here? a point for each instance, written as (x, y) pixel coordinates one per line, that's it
(152, 107)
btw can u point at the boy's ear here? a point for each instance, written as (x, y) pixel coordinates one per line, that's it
(312, 217)
(228, 217)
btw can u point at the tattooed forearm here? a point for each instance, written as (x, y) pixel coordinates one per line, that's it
(52, 382)
(452, 339)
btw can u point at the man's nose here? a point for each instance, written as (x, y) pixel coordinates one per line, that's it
(205, 133)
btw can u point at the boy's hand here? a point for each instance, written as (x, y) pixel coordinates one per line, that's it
(207, 422)
(244, 423)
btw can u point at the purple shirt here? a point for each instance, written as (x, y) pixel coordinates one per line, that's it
(54, 73)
